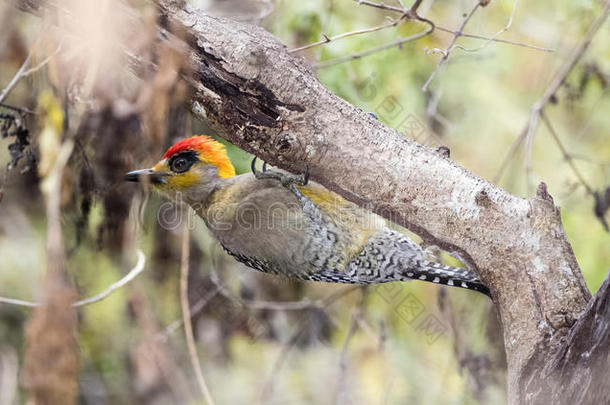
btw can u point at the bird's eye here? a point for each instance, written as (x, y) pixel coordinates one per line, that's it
(182, 162)
(179, 165)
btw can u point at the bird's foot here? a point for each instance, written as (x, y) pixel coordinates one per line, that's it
(291, 181)
(288, 180)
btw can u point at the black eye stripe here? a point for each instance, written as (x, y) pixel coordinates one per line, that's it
(183, 161)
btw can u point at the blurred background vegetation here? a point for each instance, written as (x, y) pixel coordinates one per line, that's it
(263, 339)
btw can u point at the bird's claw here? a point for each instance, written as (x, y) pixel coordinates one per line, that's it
(286, 179)
(305, 176)
(257, 173)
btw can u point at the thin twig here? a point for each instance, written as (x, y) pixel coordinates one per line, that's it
(16, 78)
(283, 305)
(21, 303)
(446, 52)
(450, 31)
(137, 269)
(406, 14)
(272, 305)
(269, 305)
(569, 64)
(389, 45)
(415, 5)
(21, 110)
(586, 125)
(587, 159)
(504, 41)
(186, 317)
(566, 155)
(341, 389)
(195, 309)
(381, 6)
(557, 81)
(25, 71)
(327, 39)
(502, 31)
(293, 339)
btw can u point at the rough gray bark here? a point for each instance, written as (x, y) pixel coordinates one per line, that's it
(577, 372)
(268, 102)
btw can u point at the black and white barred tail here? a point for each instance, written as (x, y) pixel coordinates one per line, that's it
(392, 256)
(429, 271)
(389, 256)
(447, 275)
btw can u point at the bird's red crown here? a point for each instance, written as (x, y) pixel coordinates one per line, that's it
(209, 151)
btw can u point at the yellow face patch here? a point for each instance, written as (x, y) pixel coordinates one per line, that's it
(182, 180)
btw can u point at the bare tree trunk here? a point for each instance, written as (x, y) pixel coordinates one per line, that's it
(270, 103)
(577, 371)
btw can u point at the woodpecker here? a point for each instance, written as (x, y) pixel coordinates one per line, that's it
(285, 225)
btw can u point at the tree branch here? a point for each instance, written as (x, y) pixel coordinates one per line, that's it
(257, 96)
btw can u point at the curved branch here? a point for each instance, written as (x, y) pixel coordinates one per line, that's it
(137, 269)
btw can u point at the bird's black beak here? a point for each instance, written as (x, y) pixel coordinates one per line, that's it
(146, 175)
